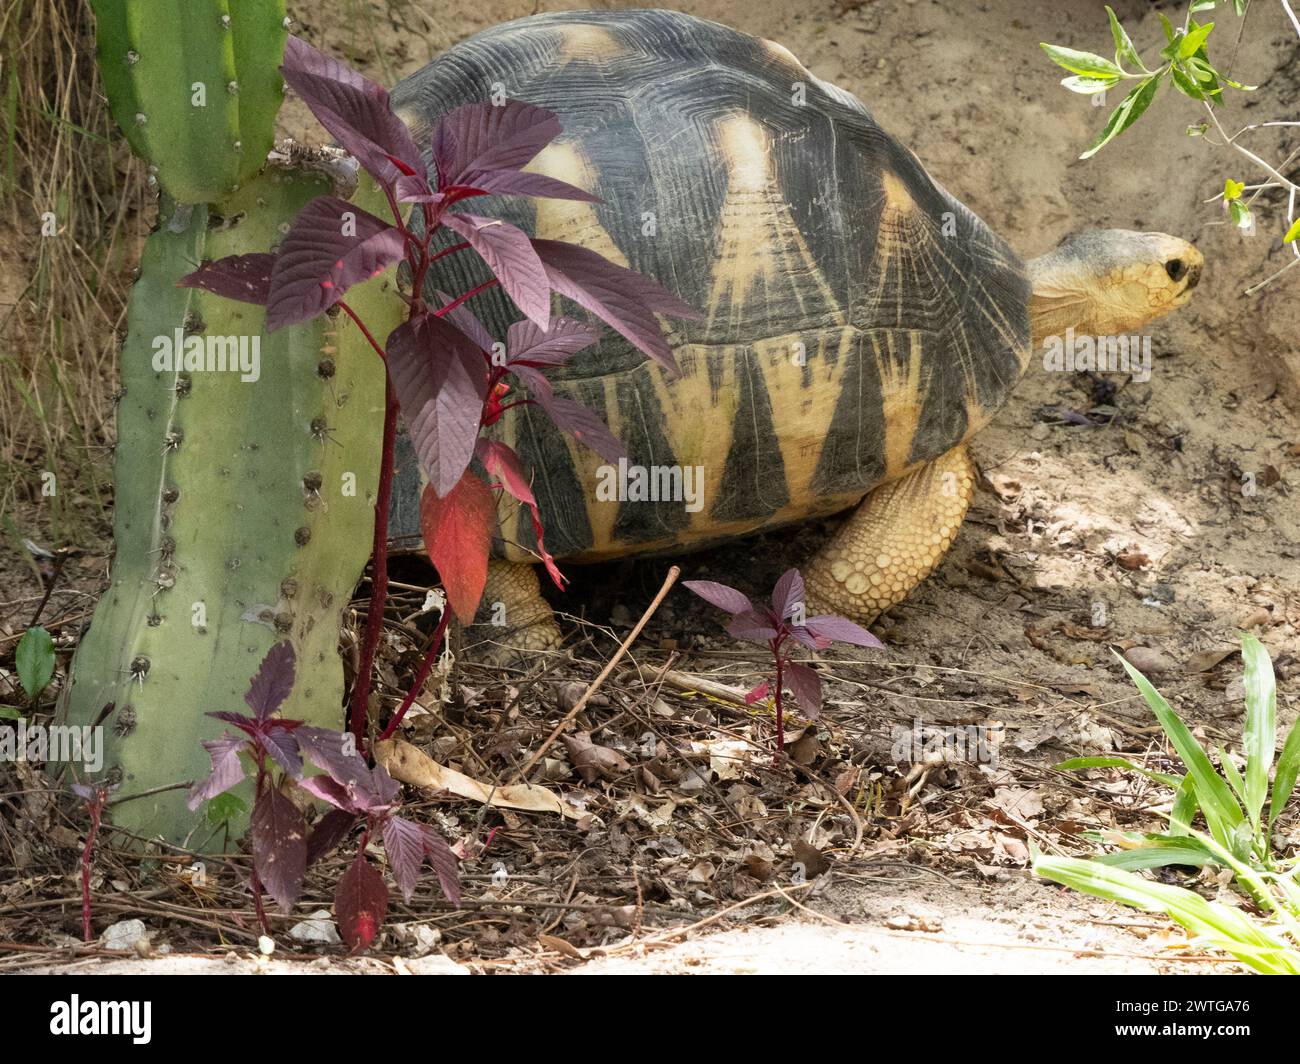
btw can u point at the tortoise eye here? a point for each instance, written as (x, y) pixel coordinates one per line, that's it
(1175, 269)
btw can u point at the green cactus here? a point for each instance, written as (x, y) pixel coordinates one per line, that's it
(195, 85)
(244, 508)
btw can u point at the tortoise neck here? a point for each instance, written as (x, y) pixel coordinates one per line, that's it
(1060, 300)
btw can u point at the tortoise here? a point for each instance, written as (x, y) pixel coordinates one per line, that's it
(860, 323)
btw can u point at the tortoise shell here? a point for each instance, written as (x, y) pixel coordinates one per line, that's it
(858, 320)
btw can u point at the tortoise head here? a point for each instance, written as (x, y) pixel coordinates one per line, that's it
(1105, 282)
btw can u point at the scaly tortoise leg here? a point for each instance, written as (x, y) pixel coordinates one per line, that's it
(894, 540)
(514, 623)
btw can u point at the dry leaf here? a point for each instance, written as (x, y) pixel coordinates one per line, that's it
(409, 765)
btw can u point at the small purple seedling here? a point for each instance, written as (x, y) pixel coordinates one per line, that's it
(775, 626)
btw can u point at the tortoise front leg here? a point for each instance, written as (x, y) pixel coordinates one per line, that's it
(894, 539)
(514, 623)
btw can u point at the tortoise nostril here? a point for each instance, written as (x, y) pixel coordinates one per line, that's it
(1193, 277)
(1175, 268)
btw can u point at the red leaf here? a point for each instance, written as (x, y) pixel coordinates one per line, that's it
(458, 536)
(807, 688)
(404, 844)
(441, 383)
(623, 298)
(510, 255)
(360, 903)
(274, 680)
(246, 278)
(500, 460)
(331, 246)
(720, 595)
(757, 694)
(279, 846)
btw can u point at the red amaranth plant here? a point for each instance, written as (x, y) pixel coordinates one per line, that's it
(443, 371)
(775, 626)
(282, 847)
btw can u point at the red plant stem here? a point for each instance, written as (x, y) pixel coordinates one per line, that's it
(364, 331)
(780, 718)
(468, 295)
(262, 921)
(448, 251)
(96, 809)
(379, 576)
(426, 667)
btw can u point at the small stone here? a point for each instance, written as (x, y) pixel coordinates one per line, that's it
(1150, 662)
(435, 964)
(317, 930)
(124, 935)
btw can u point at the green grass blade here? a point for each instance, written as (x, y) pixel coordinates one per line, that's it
(1260, 739)
(1076, 763)
(1159, 851)
(1213, 924)
(1288, 767)
(1222, 813)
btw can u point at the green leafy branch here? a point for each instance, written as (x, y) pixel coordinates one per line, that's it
(1185, 63)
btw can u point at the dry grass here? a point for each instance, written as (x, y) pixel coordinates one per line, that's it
(62, 297)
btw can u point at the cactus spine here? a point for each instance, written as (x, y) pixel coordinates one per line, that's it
(195, 85)
(244, 508)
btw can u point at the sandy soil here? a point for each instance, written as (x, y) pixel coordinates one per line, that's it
(1142, 513)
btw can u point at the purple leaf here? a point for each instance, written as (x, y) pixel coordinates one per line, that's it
(553, 346)
(510, 255)
(227, 769)
(752, 625)
(842, 630)
(246, 278)
(624, 299)
(467, 322)
(445, 865)
(386, 788)
(720, 595)
(585, 426)
(807, 688)
(580, 422)
(441, 383)
(360, 903)
(809, 639)
(414, 188)
(328, 833)
(404, 843)
(280, 743)
(329, 791)
(481, 136)
(331, 246)
(247, 724)
(335, 753)
(354, 109)
(788, 593)
(274, 680)
(279, 846)
(520, 183)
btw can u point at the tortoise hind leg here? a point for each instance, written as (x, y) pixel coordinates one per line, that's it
(513, 622)
(894, 540)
